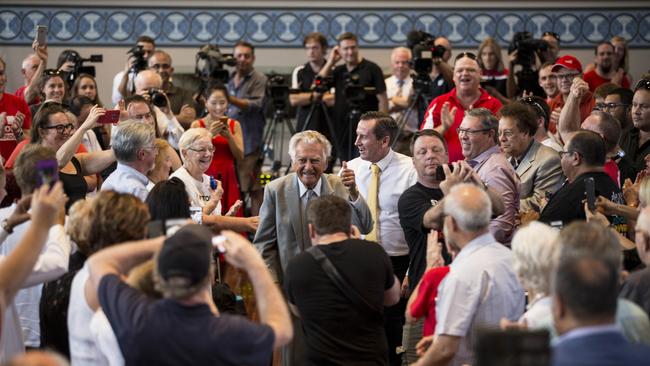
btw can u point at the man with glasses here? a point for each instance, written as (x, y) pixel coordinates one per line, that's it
(583, 157)
(607, 70)
(618, 103)
(538, 166)
(182, 103)
(636, 141)
(15, 117)
(446, 112)
(566, 69)
(135, 152)
(478, 138)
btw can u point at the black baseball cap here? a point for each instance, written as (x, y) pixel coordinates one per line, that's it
(186, 254)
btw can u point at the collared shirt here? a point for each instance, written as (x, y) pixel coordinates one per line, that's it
(480, 289)
(167, 128)
(178, 97)
(392, 89)
(495, 171)
(125, 179)
(587, 331)
(397, 175)
(252, 121)
(432, 117)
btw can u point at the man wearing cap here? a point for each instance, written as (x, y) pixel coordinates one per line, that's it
(185, 327)
(566, 69)
(446, 112)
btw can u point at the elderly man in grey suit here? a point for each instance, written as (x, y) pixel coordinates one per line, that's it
(538, 166)
(282, 233)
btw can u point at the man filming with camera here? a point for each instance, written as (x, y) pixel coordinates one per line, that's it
(360, 88)
(137, 61)
(181, 101)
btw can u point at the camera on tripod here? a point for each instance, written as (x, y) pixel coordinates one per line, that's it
(158, 97)
(278, 91)
(323, 84)
(210, 62)
(424, 51)
(354, 92)
(79, 68)
(527, 47)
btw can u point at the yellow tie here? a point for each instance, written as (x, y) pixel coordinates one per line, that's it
(373, 201)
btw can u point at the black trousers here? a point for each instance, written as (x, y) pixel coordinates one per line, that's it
(394, 315)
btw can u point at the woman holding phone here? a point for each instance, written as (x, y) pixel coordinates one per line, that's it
(227, 141)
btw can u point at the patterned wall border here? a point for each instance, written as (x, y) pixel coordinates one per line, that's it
(109, 26)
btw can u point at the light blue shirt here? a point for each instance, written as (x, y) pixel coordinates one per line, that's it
(125, 179)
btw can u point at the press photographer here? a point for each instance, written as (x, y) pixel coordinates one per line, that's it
(350, 80)
(524, 51)
(71, 63)
(137, 61)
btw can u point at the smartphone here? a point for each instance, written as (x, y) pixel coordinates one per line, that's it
(111, 116)
(440, 172)
(47, 172)
(196, 214)
(590, 191)
(41, 35)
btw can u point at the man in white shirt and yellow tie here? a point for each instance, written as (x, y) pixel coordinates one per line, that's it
(381, 176)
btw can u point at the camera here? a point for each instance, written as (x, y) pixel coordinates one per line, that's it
(354, 92)
(278, 91)
(323, 84)
(424, 50)
(78, 61)
(158, 97)
(210, 62)
(137, 52)
(526, 47)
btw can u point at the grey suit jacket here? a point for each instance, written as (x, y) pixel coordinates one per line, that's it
(540, 172)
(280, 234)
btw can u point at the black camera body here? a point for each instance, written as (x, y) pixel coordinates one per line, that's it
(158, 97)
(209, 63)
(526, 47)
(137, 52)
(278, 91)
(354, 92)
(79, 68)
(323, 84)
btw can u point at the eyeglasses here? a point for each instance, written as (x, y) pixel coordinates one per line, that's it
(60, 128)
(466, 131)
(552, 34)
(52, 72)
(202, 150)
(532, 102)
(606, 106)
(642, 84)
(466, 54)
(569, 76)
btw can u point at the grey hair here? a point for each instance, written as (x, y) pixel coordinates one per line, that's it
(189, 137)
(471, 214)
(309, 137)
(396, 50)
(131, 137)
(534, 249)
(487, 119)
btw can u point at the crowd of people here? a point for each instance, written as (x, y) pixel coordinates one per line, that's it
(420, 211)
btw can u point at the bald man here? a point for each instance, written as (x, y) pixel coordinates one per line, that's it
(181, 101)
(168, 126)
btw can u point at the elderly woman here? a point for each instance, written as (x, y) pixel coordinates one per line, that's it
(53, 128)
(534, 249)
(196, 153)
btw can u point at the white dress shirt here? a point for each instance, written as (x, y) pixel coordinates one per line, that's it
(397, 175)
(392, 89)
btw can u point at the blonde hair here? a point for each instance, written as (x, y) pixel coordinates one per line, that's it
(534, 249)
(79, 218)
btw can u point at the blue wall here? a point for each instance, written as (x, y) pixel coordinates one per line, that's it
(285, 27)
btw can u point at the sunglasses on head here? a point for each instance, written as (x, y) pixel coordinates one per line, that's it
(552, 34)
(52, 72)
(532, 102)
(466, 54)
(642, 84)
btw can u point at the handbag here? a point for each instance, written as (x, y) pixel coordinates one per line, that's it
(359, 301)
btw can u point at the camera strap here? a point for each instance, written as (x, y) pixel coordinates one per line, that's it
(362, 304)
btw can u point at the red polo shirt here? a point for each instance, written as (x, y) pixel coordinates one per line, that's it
(12, 104)
(594, 80)
(432, 117)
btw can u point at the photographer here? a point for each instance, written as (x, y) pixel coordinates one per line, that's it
(528, 53)
(303, 78)
(137, 61)
(355, 73)
(442, 74)
(181, 101)
(148, 84)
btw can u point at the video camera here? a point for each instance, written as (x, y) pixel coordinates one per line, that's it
(424, 51)
(137, 52)
(79, 68)
(526, 47)
(323, 84)
(210, 62)
(278, 91)
(354, 92)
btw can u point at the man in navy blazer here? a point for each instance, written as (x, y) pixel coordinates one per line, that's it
(585, 289)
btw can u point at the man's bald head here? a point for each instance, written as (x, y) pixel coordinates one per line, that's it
(469, 206)
(604, 124)
(146, 80)
(444, 42)
(29, 67)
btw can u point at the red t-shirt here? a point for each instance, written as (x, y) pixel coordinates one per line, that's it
(432, 117)
(425, 303)
(594, 80)
(611, 169)
(586, 106)
(12, 104)
(12, 159)
(20, 93)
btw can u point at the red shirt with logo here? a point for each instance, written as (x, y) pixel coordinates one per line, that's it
(11, 105)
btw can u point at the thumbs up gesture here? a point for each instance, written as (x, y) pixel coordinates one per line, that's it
(347, 177)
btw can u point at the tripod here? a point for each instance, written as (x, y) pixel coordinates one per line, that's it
(320, 106)
(419, 101)
(272, 138)
(353, 116)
